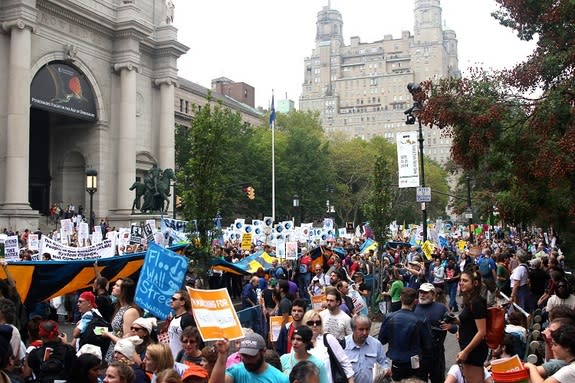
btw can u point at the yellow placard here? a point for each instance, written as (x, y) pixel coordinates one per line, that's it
(215, 315)
(247, 241)
(428, 248)
(318, 302)
(276, 326)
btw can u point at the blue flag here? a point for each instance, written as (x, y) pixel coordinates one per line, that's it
(273, 113)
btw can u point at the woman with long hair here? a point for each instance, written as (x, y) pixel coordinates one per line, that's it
(395, 290)
(312, 319)
(472, 327)
(125, 314)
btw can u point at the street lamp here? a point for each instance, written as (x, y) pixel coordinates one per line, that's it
(413, 114)
(91, 188)
(469, 211)
(295, 208)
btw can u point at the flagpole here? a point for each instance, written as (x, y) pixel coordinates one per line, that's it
(273, 126)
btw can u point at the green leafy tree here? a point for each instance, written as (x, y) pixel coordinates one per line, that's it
(513, 130)
(378, 208)
(205, 168)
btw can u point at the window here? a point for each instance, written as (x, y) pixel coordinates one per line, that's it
(187, 105)
(181, 105)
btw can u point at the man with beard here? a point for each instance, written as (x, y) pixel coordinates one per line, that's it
(253, 369)
(335, 321)
(434, 314)
(283, 344)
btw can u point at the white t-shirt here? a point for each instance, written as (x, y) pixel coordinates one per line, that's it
(554, 300)
(565, 374)
(519, 275)
(456, 373)
(337, 325)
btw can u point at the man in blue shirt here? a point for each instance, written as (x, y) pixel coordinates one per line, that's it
(254, 368)
(363, 350)
(249, 294)
(409, 339)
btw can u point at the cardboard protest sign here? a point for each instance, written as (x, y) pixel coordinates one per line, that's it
(60, 252)
(318, 301)
(246, 241)
(11, 248)
(136, 235)
(215, 315)
(291, 250)
(276, 326)
(161, 276)
(33, 242)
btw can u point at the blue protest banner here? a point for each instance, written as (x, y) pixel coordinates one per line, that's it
(161, 276)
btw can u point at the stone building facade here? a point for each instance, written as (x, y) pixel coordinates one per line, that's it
(85, 84)
(360, 89)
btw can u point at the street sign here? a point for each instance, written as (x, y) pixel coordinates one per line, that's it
(423, 194)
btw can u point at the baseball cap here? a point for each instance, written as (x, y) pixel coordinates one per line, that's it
(252, 344)
(89, 296)
(427, 287)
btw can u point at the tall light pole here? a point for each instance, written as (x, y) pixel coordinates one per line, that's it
(91, 188)
(412, 113)
(295, 209)
(174, 200)
(469, 212)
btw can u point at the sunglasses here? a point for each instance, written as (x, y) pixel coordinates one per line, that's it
(189, 341)
(313, 323)
(136, 328)
(177, 299)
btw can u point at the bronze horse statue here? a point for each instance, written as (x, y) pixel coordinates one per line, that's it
(155, 191)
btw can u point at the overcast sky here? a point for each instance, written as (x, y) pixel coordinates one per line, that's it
(264, 42)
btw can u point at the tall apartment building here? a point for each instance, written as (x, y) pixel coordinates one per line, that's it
(360, 89)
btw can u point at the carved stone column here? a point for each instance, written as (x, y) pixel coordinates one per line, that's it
(166, 147)
(126, 165)
(18, 122)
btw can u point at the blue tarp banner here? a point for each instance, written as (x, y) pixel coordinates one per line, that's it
(162, 275)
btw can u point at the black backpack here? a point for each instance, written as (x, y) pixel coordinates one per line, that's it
(89, 336)
(54, 367)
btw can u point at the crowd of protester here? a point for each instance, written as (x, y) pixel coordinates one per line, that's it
(327, 311)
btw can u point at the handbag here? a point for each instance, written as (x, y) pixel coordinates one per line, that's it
(163, 336)
(337, 372)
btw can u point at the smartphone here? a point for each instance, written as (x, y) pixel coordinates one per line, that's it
(415, 362)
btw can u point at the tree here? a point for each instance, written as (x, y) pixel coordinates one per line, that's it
(513, 130)
(205, 166)
(378, 208)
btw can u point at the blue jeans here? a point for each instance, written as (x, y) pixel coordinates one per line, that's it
(452, 291)
(303, 281)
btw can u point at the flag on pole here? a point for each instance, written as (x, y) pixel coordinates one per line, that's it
(273, 113)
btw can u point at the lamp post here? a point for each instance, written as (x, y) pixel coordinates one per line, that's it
(469, 210)
(412, 113)
(295, 209)
(91, 188)
(173, 185)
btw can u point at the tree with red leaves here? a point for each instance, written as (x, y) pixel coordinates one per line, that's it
(513, 130)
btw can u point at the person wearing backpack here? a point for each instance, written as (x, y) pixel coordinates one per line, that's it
(89, 327)
(55, 358)
(488, 270)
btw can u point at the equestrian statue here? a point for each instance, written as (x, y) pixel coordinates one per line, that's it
(153, 195)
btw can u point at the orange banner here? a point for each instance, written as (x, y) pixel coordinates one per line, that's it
(215, 314)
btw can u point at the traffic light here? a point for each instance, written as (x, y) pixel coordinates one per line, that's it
(250, 192)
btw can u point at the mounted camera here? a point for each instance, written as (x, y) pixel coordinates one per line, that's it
(449, 318)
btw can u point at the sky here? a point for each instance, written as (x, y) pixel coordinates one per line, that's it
(264, 42)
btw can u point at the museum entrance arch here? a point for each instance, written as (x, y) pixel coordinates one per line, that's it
(62, 115)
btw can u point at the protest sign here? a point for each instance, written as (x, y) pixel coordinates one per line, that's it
(135, 235)
(33, 242)
(215, 315)
(246, 241)
(149, 231)
(83, 233)
(11, 248)
(60, 252)
(318, 302)
(174, 224)
(161, 276)
(276, 326)
(291, 250)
